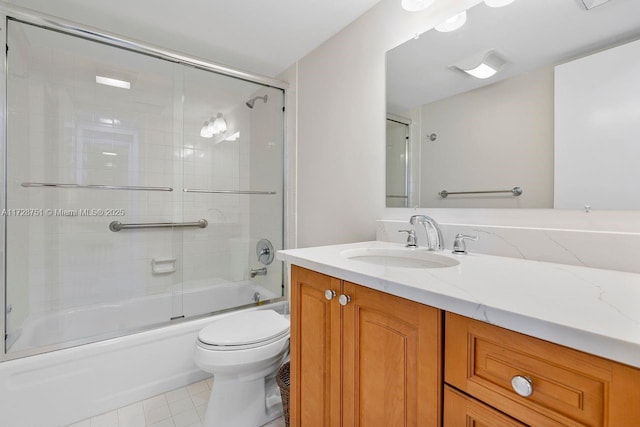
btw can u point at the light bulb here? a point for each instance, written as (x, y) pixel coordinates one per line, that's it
(219, 124)
(204, 132)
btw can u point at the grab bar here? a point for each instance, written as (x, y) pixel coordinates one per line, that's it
(95, 187)
(117, 225)
(191, 190)
(516, 191)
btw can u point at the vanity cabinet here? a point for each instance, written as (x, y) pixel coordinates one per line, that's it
(362, 357)
(557, 386)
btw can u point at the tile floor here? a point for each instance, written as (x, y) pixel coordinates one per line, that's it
(183, 407)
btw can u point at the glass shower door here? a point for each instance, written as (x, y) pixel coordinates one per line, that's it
(233, 179)
(91, 136)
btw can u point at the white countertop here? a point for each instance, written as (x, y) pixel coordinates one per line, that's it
(589, 309)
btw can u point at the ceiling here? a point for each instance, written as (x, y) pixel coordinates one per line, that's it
(528, 33)
(263, 37)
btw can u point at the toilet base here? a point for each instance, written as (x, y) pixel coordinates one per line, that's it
(242, 403)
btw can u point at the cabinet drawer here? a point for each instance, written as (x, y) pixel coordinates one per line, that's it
(463, 411)
(568, 387)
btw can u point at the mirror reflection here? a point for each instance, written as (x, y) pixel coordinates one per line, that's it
(531, 105)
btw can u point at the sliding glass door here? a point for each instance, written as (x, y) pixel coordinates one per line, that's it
(124, 209)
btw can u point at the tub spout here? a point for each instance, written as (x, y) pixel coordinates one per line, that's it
(258, 272)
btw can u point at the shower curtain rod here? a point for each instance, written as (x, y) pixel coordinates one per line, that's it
(30, 16)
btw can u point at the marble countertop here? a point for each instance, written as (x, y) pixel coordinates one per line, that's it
(589, 309)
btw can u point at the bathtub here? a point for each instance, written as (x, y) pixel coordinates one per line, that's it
(61, 387)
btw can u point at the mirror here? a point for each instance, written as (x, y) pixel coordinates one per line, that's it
(557, 125)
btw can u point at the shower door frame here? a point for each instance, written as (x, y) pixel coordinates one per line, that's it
(28, 16)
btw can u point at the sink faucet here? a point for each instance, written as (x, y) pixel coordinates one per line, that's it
(433, 242)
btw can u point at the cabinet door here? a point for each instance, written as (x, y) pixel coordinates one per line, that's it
(315, 350)
(391, 360)
(464, 411)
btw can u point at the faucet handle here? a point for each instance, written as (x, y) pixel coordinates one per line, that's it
(459, 245)
(412, 241)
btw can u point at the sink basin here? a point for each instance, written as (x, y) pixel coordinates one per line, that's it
(406, 258)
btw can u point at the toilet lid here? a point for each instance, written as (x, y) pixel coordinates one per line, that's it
(245, 328)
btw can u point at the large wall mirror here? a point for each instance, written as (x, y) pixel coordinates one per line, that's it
(551, 118)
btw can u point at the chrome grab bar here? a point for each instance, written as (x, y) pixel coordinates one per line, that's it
(95, 187)
(516, 191)
(117, 225)
(192, 190)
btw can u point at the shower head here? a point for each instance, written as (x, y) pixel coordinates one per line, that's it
(252, 101)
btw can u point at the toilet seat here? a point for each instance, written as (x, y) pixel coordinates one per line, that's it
(244, 331)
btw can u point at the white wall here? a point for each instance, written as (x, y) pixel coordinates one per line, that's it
(341, 126)
(493, 138)
(341, 135)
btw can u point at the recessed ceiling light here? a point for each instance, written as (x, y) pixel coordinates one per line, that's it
(482, 71)
(482, 65)
(113, 82)
(109, 153)
(416, 5)
(452, 23)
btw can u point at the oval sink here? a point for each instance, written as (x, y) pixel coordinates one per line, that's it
(406, 258)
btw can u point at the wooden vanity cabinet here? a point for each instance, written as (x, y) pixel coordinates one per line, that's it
(374, 361)
(561, 386)
(361, 357)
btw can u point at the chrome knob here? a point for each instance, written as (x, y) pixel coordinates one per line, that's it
(522, 385)
(344, 299)
(329, 294)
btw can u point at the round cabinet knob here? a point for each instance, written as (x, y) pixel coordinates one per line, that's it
(344, 299)
(329, 294)
(522, 385)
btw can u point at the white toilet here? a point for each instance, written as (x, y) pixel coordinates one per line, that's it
(243, 351)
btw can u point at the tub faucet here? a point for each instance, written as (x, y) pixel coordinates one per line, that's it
(434, 242)
(258, 272)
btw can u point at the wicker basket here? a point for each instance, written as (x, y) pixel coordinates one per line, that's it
(282, 378)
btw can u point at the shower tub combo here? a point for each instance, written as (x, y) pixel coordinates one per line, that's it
(143, 199)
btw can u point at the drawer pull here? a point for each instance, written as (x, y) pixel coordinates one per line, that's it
(344, 299)
(329, 294)
(522, 385)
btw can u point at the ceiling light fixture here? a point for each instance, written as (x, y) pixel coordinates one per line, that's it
(497, 3)
(204, 132)
(416, 5)
(453, 23)
(113, 82)
(483, 65)
(217, 125)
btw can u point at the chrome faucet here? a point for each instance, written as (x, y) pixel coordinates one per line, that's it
(433, 242)
(258, 272)
(412, 241)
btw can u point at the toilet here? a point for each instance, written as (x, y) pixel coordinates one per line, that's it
(243, 351)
